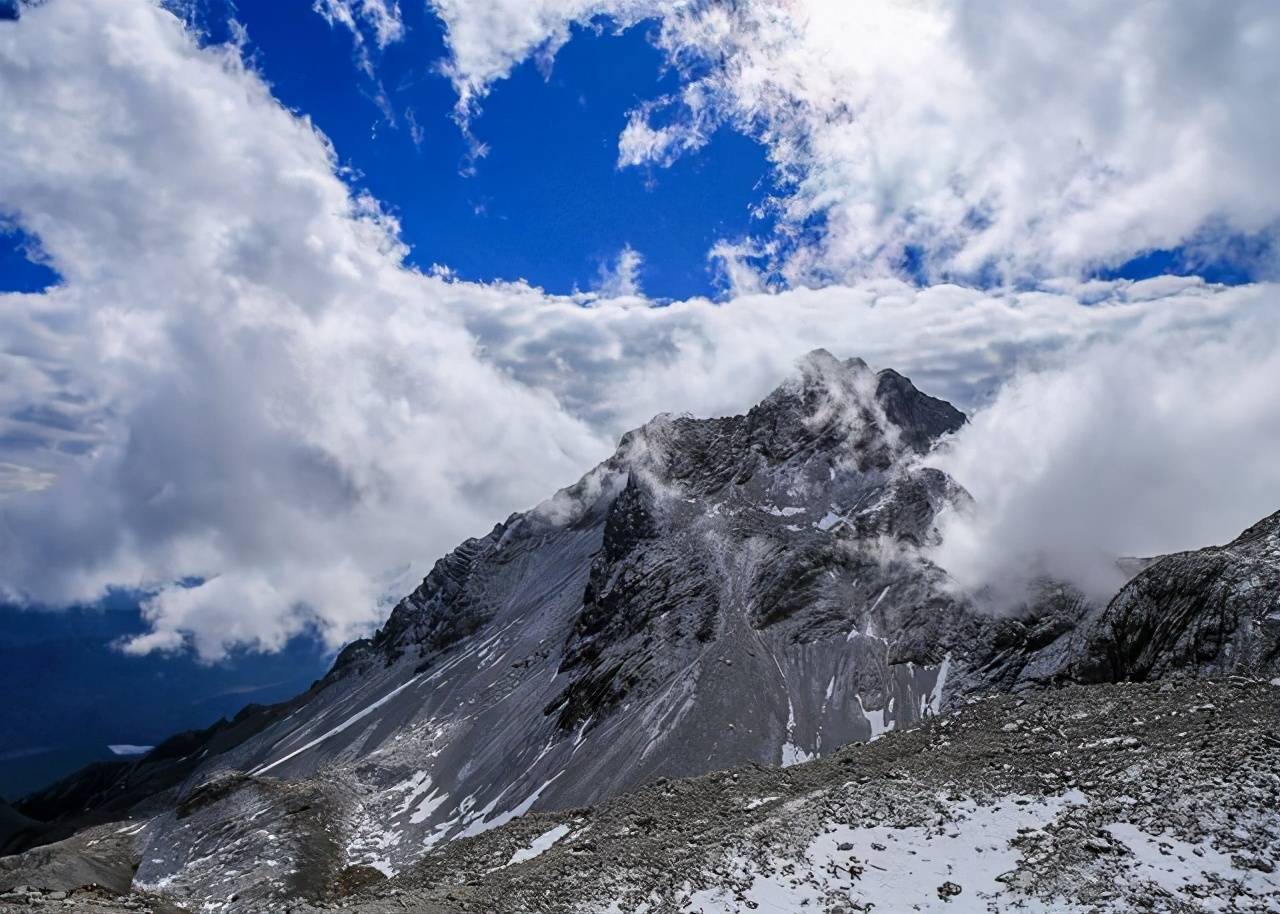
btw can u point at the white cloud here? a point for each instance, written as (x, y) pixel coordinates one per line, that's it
(1158, 441)
(274, 402)
(487, 40)
(621, 279)
(615, 364)
(1035, 139)
(381, 18)
(240, 380)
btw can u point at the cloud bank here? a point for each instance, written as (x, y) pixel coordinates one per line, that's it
(953, 140)
(240, 382)
(1141, 444)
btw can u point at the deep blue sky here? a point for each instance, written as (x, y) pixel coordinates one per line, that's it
(68, 693)
(548, 203)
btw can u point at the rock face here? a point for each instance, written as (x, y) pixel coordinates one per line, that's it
(1211, 612)
(719, 592)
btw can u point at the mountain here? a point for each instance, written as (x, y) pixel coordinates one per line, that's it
(1209, 612)
(16, 830)
(751, 589)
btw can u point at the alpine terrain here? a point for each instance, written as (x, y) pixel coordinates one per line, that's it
(654, 692)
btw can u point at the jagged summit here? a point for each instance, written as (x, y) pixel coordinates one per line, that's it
(846, 404)
(829, 416)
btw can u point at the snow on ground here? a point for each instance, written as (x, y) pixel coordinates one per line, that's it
(876, 718)
(477, 822)
(828, 521)
(539, 845)
(428, 806)
(934, 703)
(894, 869)
(789, 511)
(1189, 871)
(793, 754)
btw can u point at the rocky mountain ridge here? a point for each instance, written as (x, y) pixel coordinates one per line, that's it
(752, 589)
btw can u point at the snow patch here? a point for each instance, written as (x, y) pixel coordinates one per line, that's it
(539, 845)
(934, 704)
(828, 521)
(793, 754)
(783, 512)
(481, 824)
(893, 869)
(428, 806)
(876, 718)
(1178, 866)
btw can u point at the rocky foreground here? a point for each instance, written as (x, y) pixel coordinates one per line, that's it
(1125, 797)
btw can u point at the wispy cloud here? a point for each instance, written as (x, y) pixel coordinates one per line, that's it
(621, 278)
(381, 19)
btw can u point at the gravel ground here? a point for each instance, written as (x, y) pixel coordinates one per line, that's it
(1089, 784)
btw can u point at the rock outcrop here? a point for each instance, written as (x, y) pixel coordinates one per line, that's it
(1209, 612)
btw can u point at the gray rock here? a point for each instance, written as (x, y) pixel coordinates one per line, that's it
(1210, 612)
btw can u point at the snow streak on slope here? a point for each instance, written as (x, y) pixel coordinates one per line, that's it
(353, 719)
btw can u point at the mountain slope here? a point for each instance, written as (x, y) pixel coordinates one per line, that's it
(745, 589)
(609, 636)
(1095, 799)
(1104, 798)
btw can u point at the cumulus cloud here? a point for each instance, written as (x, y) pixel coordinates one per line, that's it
(962, 138)
(242, 397)
(237, 380)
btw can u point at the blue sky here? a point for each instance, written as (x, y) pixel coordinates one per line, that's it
(548, 202)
